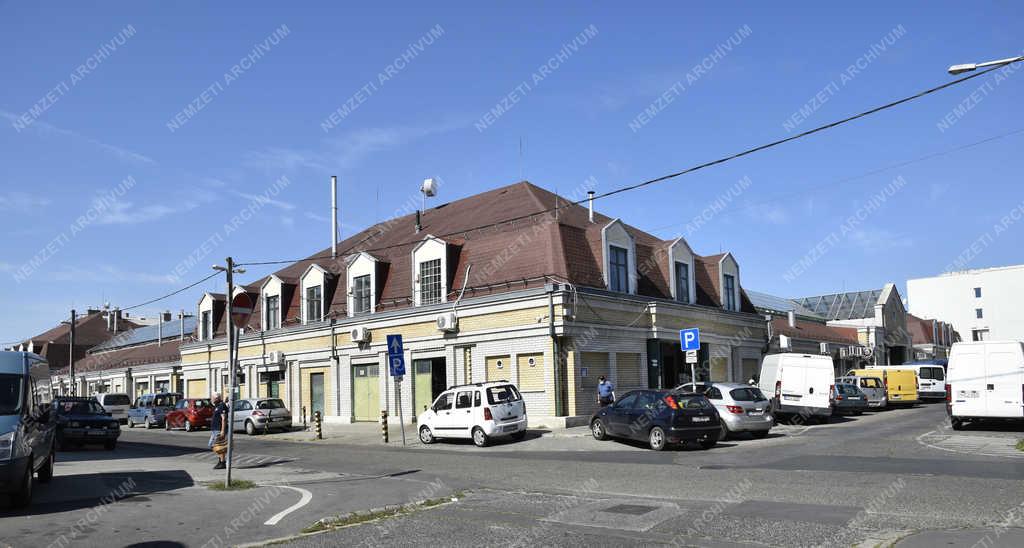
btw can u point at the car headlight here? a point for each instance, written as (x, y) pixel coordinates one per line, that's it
(6, 445)
(75, 424)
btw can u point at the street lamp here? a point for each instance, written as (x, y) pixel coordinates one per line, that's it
(230, 270)
(968, 67)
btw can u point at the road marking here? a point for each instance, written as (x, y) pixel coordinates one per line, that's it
(306, 497)
(989, 446)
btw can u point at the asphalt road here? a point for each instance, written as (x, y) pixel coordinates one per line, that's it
(869, 480)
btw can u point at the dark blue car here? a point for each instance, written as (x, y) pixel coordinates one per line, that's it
(83, 420)
(660, 418)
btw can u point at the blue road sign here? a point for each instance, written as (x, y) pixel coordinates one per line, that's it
(690, 338)
(396, 356)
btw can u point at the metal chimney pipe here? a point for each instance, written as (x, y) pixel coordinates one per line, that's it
(160, 331)
(791, 318)
(590, 199)
(117, 316)
(418, 225)
(334, 217)
(181, 324)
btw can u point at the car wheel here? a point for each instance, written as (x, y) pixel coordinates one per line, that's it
(149, 423)
(725, 432)
(708, 443)
(426, 436)
(131, 423)
(656, 438)
(598, 430)
(46, 472)
(250, 428)
(480, 439)
(760, 435)
(110, 445)
(167, 425)
(858, 412)
(23, 497)
(188, 426)
(957, 424)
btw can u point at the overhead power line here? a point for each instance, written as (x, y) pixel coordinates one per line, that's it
(649, 182)
(171, 294)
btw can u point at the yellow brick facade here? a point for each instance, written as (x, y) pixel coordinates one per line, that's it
(531, 372)
(628, 374)
(307, 387)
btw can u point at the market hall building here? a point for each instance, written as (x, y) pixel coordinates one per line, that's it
(494, 286)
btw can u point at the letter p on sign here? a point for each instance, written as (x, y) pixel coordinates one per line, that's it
(690, 338)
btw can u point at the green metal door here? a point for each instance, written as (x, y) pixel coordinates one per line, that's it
(424, 395)
(316, 393)
(365, 393)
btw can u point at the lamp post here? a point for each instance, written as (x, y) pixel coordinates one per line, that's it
(230, 270)
(968, 67)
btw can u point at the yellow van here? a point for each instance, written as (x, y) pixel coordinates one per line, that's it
(900, 383)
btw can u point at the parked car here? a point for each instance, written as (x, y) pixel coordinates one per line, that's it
(26, 425)
(150, 409)
(931, 378)
(481, 412)
(872, 387)
(986, 381)
(848, 399)
(660, 418)
(117, 404)
(900, 382)
(261, 415)
(82, 420)
(740, 407)
(801, 384)
(190, 414)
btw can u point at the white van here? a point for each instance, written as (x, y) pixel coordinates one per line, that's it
(931, 379)
(985, 380)
(802, 384)
(116, 404)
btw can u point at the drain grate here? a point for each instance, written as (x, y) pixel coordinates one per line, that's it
(630, 509)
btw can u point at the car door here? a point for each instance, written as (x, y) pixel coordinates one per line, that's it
(443, 407)
(714, 395)
(617, 415)
(240, 411)
(462, 415)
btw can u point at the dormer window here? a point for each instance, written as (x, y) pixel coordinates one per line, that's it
(682, 282)
(430, 282)
(729, 297)
(314, 303)
(618, 269)
(361, 292)
(206, 325)
(272, 316)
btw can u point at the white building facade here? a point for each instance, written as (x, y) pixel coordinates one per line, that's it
(983, 304)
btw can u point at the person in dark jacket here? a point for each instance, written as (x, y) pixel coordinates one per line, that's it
(218, 429)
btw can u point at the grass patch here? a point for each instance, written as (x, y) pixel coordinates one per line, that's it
(236, 485)
(356, 518)
(1020, 445)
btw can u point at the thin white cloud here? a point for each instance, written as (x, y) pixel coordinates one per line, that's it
(126, 213)
(107, 274)
(265, 200)
(768, 213)
(21, 201)
(877, 239)
(6, 267)
(319, 218)
(45, 129)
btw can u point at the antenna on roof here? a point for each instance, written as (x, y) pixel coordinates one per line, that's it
(429, 190)
(520, 158)
(334, 217)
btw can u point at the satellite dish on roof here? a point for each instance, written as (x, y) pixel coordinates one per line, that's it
(429, 187)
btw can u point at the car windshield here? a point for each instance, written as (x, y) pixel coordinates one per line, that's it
(166, 400)
(692, 402)
(504, 393)
(10, 394)
(80, 408)
(117, 399)
(747, 394)
(203, 403)
(270, 404)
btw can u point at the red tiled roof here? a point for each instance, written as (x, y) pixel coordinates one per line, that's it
(921, 330)
(815, 331)
(511, 255)
(128, 357)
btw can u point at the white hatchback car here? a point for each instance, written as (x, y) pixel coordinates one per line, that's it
(480, 411)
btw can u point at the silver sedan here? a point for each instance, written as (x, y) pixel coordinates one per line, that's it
(261, 415)
(742, 408)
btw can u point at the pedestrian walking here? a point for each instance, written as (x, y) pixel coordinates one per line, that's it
(605, 391)
(218, 431)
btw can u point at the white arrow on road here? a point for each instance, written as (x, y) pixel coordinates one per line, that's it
(306, 497)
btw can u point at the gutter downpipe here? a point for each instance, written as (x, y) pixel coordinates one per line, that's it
(556, 351)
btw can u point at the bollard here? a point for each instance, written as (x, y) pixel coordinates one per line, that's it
(304, 427)
(384, 425)
(318, 424)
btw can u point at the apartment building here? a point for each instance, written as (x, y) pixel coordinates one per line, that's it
(492, 286)
(981, 304)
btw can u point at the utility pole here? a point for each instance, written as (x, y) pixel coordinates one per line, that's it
(230, 270)
(71, 352)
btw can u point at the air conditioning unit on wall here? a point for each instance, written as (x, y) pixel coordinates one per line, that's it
(360, 334)
(447, 321)
(275, 357)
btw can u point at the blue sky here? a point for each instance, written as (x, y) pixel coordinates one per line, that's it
(97, 142)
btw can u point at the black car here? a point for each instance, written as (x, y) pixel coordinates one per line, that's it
(83, 420)
(659, 417)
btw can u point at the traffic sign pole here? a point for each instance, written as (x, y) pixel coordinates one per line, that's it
(689, 340)
(396, 365)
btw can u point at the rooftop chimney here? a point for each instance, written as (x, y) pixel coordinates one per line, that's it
(181, 324)
(160, 331)
(418, 225)
(590, 199)
(334, 217)
(791, 318)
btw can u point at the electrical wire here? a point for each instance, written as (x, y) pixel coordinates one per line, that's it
(662, 178)
(171, 294)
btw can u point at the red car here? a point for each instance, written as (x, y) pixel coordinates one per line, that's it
(190, 414)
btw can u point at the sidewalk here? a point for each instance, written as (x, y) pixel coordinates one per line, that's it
(366, 433)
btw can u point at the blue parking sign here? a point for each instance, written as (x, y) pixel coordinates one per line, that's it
(690, 338)
(396, 356)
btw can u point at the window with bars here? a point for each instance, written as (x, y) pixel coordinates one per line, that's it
(682, 282)
(314, 303)
(730, 292)
(618, 275)
(430, 282)
(361, 294)
(273, 314)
